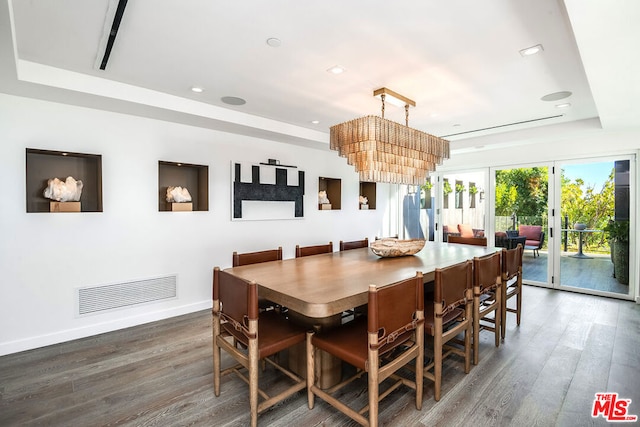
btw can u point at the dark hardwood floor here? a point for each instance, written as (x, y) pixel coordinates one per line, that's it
(568, 347)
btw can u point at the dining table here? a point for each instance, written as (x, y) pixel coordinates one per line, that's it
(317, 289)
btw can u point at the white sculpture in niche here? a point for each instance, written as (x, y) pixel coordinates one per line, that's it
(68, 190)
(322, 198)
(178, 195)
(363, 200)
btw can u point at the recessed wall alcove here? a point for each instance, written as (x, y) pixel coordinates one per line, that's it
(43, 165)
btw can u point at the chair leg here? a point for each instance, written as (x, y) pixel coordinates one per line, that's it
(519, 301)
(467, 341)
(503, 312)
(310, 370)
(373, 388)
(498, 315)
(253, 380)
(437, 359)
(476, 328)
(216, 356)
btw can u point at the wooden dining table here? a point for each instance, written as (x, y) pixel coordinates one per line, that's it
(317, 289)
(321, 286)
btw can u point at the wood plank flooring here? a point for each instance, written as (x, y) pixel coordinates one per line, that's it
(568, 347)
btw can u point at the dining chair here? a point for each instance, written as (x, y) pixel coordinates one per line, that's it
(355, 244)
(447, 314)
(313, 250)
(262, 334)
(487, 296)
(247, 258)
(511, 284)
(256, 257)
(390, 337)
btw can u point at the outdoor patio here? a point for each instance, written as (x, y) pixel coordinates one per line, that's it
(594, 273)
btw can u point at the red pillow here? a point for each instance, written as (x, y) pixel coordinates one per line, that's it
(465, 230)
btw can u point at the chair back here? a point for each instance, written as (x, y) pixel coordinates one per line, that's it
(477, 241)
(487, 272)
(313, 250)
(511, 263)
(393, 312)
(237, 298)
(257, 257)
(344, 246)
(452, 286)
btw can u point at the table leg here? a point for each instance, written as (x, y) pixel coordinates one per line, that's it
(329, 368)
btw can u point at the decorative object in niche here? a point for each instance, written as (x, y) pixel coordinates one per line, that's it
(390, 247)
(266, 191)
(364, 203)
(68, 190)
(322, 198)
(178, 195)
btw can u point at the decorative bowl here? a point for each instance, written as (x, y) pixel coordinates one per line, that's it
(390, 247)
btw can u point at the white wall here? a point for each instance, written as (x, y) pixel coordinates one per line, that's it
(45, 257)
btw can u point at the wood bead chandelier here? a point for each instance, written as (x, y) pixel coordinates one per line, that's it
(385, 151)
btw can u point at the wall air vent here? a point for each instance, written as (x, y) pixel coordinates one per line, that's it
(101, 298)
(502, 126)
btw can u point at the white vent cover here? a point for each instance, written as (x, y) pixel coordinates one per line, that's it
(107, 297)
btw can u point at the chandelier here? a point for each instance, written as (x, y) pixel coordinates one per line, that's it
(385, 151)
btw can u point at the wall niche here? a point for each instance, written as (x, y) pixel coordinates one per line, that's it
(333, 187)
(43, 165)
(194, 177)
(368, 190)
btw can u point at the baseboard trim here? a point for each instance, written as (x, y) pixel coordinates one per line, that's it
(99, 328)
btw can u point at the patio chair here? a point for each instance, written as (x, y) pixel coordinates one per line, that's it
(534, 237)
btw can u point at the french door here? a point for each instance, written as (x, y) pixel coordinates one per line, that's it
(583, 208)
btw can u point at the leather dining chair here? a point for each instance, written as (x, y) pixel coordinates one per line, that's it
(247, 258)
(355, 244)
(345, 246)
(256, 257)
(302, 251)
(511, 284)
(447, 314)
(389, 338)
(487, 296)
(236, 317)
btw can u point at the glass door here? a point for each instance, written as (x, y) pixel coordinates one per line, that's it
(520, 203)
(594, 223)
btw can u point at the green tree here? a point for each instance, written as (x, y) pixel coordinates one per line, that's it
(523, 192)
(581, 203)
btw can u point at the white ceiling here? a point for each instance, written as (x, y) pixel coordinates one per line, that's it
(459, 60)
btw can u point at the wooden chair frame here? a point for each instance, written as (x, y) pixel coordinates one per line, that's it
(302, 251)
(378, 338)
(244, 327)
(487, 298)
(354, 244)
(256, 257)
(457, 311)
(511, 284)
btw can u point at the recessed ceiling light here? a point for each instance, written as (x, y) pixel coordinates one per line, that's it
(556, 96)
(336, 69)
(456, 125)
(274, 42)
(565, 105)
(315, 122)
(233, 100)
(531, 50)
(197, 89)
